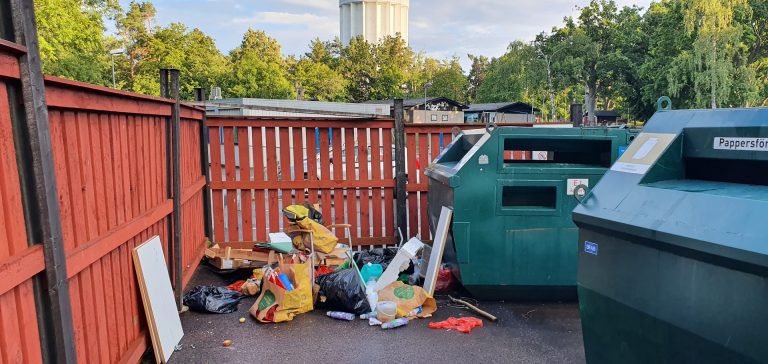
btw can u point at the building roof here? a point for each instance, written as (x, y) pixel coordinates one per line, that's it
(410, 103)
(292, 108)
(504, 107)
(606, 114)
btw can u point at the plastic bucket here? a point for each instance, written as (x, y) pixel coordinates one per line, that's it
(386, 311)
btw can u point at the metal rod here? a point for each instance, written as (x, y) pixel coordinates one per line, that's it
(57, 330)
(400, 173)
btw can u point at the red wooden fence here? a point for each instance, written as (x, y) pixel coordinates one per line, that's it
(259, 166)
(111, 162)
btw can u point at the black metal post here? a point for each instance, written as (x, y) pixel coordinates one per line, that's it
(178, 269)
(57, 331)
(204, 164)
(400, 173)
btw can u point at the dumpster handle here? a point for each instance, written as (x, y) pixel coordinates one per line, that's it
(490, 125)
(582, 193)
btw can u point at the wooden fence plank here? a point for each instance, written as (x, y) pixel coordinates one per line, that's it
(231, 200)
(423, 163)
(298, 162)
(325, 171)
(216, 175)
(376, 175)
(272, 175)
(411, 163)
(311, 162)
(258, 172)
(246, 196)
(389, 200)
(352, 168)
(338, 174)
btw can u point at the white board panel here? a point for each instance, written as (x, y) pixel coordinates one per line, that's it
(438, 246)
(157, 296)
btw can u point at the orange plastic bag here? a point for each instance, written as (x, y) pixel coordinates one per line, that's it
(463, 324)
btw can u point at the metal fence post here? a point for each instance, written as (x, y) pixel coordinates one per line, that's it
(54, 305)
(400, 173)
(204, 164)
(178, 269)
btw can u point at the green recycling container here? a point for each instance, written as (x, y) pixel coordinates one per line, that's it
(511, 190)
(673, 244)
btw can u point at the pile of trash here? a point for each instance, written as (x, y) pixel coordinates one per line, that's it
(379, 285)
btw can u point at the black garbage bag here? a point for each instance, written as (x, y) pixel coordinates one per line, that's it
(212, 299)
(375, 256)
(343, 291)
(381, 256)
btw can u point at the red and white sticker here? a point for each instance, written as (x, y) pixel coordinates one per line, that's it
(574, 182)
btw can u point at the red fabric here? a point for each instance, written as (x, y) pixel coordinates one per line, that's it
(463, 324)
(323, 270)
(444, 279)
(236, 286)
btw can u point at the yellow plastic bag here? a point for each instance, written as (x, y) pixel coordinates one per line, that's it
(275, 304)
(325, 240)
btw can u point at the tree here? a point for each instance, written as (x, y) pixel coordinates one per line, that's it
(518, 75)
(449, 81)
(193, 53)
(714, 48)
(135, 31)
(477, 74)
(257, 69)
(71, 36)
(318, 81)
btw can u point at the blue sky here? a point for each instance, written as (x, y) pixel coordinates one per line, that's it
(440, 28)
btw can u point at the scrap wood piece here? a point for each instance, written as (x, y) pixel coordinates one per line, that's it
(438, 247)
(474, 308)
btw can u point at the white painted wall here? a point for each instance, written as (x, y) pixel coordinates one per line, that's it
(373, 19)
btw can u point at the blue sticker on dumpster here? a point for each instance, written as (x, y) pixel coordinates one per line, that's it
(590, 247)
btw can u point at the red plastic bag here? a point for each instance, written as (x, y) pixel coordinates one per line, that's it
(463, 324)
(236, 286)
(323, 270)
(444, 279)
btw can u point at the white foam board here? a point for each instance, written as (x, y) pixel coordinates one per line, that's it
(438, 247)
(157, 296)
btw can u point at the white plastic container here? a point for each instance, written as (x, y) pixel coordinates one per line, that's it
(386, 310)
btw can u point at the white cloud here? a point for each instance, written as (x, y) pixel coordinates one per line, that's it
(317, 4)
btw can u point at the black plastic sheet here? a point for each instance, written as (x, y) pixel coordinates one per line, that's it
(212, 299)
(343, 291)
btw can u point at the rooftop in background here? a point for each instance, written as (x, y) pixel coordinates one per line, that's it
(292, 108)
(504, 107)
(410, 103)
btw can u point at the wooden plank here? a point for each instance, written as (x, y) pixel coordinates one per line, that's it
(338, 175)
(287, 185)
(259, 195)
(434, 147)
(410, 163)
(9, 330)
(87, 253)
(230, 167)
(246, 195)
(389, 203)
(423, 162)
(311, 162)
(298, 162)
(366, 164)
(20, 267)
(325, 172)
(351, 175)
(272, 195)
(285, 165)
(216, 176)
(376, 175)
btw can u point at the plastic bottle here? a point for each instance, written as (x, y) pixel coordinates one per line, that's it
(395, 323)
(368, 315)
(372, 295)
(346, 316)
(415, 311)
(371, 272)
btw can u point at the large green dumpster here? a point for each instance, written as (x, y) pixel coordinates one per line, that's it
(511, 190)
(673, 259)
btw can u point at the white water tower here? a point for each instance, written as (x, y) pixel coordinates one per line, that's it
(373, 19)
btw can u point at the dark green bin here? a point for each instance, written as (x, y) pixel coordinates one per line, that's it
(673, 258)
(512, 236)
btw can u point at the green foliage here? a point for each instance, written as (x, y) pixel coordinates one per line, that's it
(71, 36)
(702, 53)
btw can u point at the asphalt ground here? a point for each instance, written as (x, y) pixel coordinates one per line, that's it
(525, 333)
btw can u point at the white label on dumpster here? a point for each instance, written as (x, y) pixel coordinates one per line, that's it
(482, 160)
(573, 182)
(751, 144)
(646, 148)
